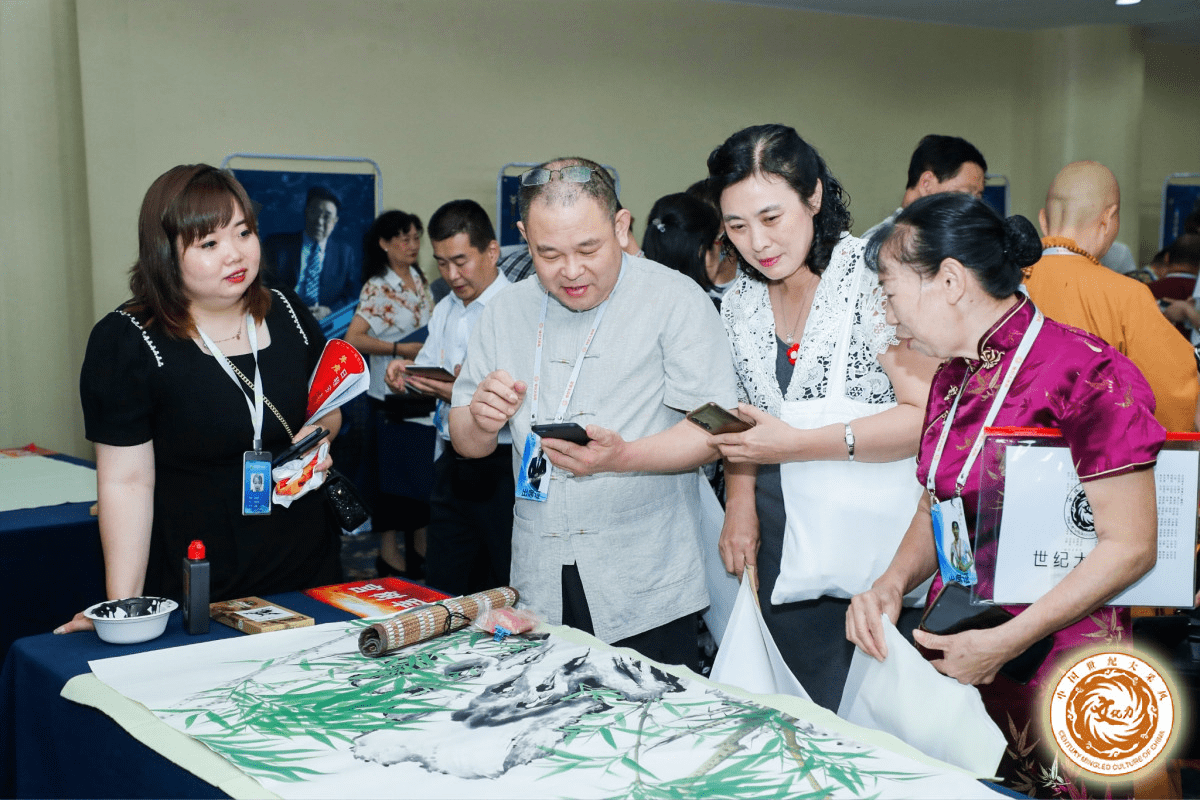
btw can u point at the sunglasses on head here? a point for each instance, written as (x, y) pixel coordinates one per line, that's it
(572, 174)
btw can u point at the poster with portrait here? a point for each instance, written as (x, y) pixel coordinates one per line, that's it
(332, 208)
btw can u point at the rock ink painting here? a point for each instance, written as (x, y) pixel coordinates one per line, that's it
(464, 716)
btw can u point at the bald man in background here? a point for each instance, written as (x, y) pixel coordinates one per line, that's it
(1080, 222)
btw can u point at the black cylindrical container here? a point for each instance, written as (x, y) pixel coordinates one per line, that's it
(195, 589)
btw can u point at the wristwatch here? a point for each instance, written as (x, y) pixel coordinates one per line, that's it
(849, 442)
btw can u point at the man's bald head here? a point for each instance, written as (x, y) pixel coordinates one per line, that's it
(1083, 204)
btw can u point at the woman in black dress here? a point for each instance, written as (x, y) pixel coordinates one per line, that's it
(171, 423)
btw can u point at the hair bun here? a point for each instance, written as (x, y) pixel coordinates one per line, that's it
(1022, 245)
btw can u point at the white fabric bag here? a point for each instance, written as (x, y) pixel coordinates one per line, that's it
(897, 695)
(844, 519)
(748, 658)
(722, 586)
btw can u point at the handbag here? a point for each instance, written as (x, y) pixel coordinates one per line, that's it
(843, 520)
(407, 405)
(955, 610)
(346, 507)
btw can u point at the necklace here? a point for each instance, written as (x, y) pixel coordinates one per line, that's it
(1074, 248)
(237, 336)
(793, 347)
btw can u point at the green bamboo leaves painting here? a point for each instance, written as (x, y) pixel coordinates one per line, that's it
(521, 718)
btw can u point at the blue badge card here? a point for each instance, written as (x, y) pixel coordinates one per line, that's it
(256, 483)
(956, 559)
(533, 481)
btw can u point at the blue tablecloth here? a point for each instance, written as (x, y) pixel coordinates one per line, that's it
(51, 747)
(52, 565)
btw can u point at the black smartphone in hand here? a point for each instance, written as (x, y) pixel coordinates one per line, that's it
(567, 431)
(715, 419)
(299, 448)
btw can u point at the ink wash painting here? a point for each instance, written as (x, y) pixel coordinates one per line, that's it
(307, 716)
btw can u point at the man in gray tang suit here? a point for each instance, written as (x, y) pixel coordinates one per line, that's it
(605, 539)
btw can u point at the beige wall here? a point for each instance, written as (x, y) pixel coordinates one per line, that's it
(46, 306)
(443, 92)
(1170, 131)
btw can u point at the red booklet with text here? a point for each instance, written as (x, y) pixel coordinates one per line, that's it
(376, 597)
(340, 376)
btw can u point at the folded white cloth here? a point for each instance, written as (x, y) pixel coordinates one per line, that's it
(748, 657)
(906, 697)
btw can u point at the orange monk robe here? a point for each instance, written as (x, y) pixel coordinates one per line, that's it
(1077, 291)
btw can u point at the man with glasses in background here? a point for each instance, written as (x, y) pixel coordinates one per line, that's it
(605, 536)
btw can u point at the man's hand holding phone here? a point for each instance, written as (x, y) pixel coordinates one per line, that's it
(603, 452)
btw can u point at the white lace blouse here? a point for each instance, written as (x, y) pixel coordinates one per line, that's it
(750, 324)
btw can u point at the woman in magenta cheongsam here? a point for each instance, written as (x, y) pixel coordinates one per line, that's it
(951, 270)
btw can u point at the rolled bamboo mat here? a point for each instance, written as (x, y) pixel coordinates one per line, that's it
(425, 622)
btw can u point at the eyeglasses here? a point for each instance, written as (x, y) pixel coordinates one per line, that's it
(572, 174)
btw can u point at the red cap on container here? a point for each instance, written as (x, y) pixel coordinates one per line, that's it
(196, 550)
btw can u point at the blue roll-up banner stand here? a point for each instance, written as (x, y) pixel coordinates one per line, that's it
(1180, 196)
(995, 193)
(507, 208)
(280, 196)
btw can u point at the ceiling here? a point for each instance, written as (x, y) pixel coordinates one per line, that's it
(1172, 21)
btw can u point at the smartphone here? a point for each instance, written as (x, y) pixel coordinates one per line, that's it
(300, 447)
(432, 373)
(715, 419)
(567, 431)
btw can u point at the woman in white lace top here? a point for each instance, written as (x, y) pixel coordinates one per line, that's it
(824, 379)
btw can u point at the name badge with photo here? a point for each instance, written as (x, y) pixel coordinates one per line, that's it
(533, 481)
(956, 559)
(256, 483)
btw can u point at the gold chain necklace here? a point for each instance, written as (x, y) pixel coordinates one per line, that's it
(270, 405)
(237, 336)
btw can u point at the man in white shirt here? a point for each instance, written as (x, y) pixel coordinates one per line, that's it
(940, 164)
(470, 526)
(605, 539)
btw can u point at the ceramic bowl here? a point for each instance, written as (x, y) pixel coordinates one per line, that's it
(134, 619)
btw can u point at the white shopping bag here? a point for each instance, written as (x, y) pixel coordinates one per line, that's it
(722, 586)
(748, 657)
(898, 695)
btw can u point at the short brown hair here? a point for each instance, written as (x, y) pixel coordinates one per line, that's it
(182, 206)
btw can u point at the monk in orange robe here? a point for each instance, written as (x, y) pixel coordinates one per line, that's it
(1080, 222)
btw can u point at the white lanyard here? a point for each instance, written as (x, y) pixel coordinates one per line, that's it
(574, 379)
(256, 407)
(1009, 376)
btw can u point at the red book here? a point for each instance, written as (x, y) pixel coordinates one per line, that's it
(376, 597)
(340, 376)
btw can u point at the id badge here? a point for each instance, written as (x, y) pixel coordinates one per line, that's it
(533, 481)
(256, 483)
(956, 559)
(441, 418)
